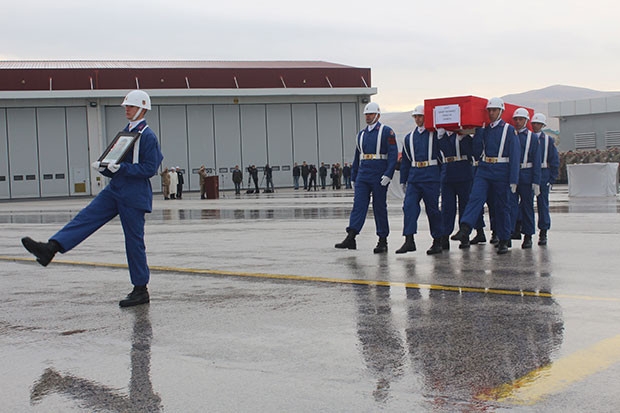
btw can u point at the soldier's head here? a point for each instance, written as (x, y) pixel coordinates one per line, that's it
(418, 115)
(520, 118)
(539, 121)
(136, 103)
(372, 112)
(495, 107)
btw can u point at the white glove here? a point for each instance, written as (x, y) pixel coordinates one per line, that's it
(95, 165)
(440, 132)
(513, 188)
(113, 167)
(404, 187)
(536, 189)
(385, 180)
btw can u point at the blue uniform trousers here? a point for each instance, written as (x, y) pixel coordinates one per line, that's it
(429, 192)
(500, 191)
(101, 210)
(522, 208)
(542, 204)
(450, 192)
(361, 199)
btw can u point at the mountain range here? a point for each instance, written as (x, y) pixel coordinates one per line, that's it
(402, 123)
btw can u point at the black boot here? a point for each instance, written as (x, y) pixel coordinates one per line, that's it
(139, 295)
(349, 241)
(516, 234)
(527, 242)
(480, 238)
(44, 251)
(542, 237)
(445, 242)
(494, 239)
(381, 246)
(435, 248)
(409, 245)
(502, 246)
(463, 236)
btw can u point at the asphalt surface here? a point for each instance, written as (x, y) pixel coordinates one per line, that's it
(254, 310)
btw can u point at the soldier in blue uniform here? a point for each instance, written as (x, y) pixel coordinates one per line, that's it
(498, 172)
(550, 163)
(522, 208)
(420, 177)
(376, 154)
(128, 195)
(457, 175)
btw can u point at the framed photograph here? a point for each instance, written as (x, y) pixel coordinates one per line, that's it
(118, 148)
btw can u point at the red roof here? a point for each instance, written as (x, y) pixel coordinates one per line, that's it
(161, 74)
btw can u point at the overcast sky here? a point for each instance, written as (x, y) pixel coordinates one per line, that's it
(415, 49)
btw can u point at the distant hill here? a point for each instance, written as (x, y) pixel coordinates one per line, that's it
(402, 123)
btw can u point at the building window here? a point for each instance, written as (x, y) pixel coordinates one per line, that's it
(612, 138)
(585, 140)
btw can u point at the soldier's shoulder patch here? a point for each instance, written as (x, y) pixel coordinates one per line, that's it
(392, 140)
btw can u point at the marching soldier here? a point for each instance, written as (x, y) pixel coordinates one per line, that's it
(373, 166)
(550, 163)
(522, 209)
(498, 172)
(419, 176)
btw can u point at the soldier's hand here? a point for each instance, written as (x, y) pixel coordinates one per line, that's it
(513, 188)
(536, 189)
(404, 187)
(113, 167)
(385, 180)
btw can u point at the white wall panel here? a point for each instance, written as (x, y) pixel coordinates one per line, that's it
(227, 142)
(253, 138)
(4, 158)
(350, 127)
(280, 143)
(77, 147)
(52, 140)
(200, 141)
(330, 133)
(305, 133)
(23, 152)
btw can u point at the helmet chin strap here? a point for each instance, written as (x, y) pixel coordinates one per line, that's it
(137, 115)
(375, 119)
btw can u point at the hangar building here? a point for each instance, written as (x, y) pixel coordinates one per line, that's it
(56, 117)
(588, 123)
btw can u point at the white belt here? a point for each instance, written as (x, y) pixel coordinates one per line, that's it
(489, 159)
(367, 156)
(527, 165)
(424, 164)
(448, 159)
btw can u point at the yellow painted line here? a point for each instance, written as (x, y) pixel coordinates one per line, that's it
(557, 376)
(325, 280)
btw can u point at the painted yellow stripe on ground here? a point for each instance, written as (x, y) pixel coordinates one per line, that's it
(555, 377)
(417, 286)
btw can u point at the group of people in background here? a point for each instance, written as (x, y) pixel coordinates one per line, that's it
(172, 182)
(308, 173)
(500, 165)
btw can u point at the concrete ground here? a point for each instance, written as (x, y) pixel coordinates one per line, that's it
(254, 310)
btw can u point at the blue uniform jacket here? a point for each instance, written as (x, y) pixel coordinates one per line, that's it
(373, 169)
(549, 174)
(529, 175)
(430, 173)
(458, 171)
(487, 141)
(131, 184)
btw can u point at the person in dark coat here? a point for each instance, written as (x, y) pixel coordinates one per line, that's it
(305, 171)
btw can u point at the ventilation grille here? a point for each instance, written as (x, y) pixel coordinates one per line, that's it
(585, 140)
(612, 138)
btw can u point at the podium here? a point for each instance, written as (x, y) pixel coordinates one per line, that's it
(212, 187)
(593, 179)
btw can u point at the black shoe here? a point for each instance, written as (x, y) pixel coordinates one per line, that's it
(445, 242)
(515, 235)
(494, 239)
(435, 248)
(139, 295)
(502, 247)
(527, 242)
(542, 237)
(44, 251)
(381, 246)
(409, 245)
(463, 236)
(348, 243)
(480, 238)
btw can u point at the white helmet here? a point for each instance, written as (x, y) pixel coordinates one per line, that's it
(138, 98)
(495, 103)
(419, 110)
(521, 113)
(539, 118)
(372, 107)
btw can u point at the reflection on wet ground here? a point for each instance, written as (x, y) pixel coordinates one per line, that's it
(610, 205)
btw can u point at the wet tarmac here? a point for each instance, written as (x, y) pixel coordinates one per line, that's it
(253, 310)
